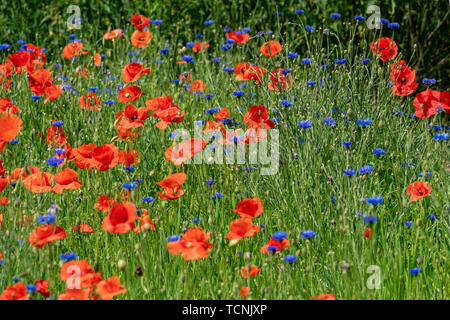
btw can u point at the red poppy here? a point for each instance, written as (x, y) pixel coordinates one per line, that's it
(279, 80)
(73, 49)
(105, 157)
(97, 59)
(171, 185)
(243, 292)
(20, 58)
(193, 244)
(11, 125)
(83, 228)
(198, 86)
(39, 182)
(76, 294)
(144, 222)
(104, 203)
(52, 93)
(199, 46)
(418, 190)
(239, 70)
(158, 103)
(66, 179)
(40, 80)
(42, 287)
(222, 114)
(258, 118)
(368, 233)
(184, 76)
(241, 228)
(116, 33)
(238, 37)
(128, 158)
(83, 73)
(270, 49)
(4, 201)
(17, 291)
(140, 39)
(37, 57)
(45, 234)
(140, 21)
(253, 72)
(109, 288)
(213, 126)
(425, 103)
(325, 296)
(133, 72)
(7, 106)
(131, 117)
(168, 115)
(120, 218)
(249, 208)
(183, 151)
(79, 275)
(403, 78)
(130, 93)
(443, 103)
(89, 102)
(385, 47)
(276, 244)
(250, 270)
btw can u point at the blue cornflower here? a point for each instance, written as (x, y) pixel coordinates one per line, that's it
(415, 271)
(129, 185)
(292, 55)
(31, 287)
(306, 61)
(35, 98)
(238, 93)
(340, 61)
(310, 28)
(428, 81)
(349, 172)
(360, 18)
(188, 58)
(59, 151)
(68, 256)
(211, 181)
(190, 44)
(14, 141)
(364, 122)
(109, 102)
(329, 121)
(291, 258)
(311, 83)
(228, 69)
(226, 46)
(286, 103)
(364, 60)
(246, 30)
(227, 30)
(335, 15)
(54, 161)
(198, 36)
(304, 124)
(346, 143)
(441, 136)
(217, 195)
(299, 11)
(393, 25)
(156, 22)
(230, 41)
(208, 22)
(148, 199)
(370, 219)
(378, 151)
(307, 234)
(374, 200)
(279, 235)
(174, 238)
(431, 216)
(385, 21)
(212, 110)
(365, 169)
(209, 96)
(409, 223)
(164, 51)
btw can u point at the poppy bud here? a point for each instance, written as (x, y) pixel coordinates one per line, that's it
(147, 226)
(121, 264)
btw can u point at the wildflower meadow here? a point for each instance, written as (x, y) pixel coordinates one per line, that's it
(305, 161)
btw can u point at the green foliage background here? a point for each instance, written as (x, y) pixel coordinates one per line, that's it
(422, 38)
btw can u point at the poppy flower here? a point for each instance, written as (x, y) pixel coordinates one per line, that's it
(403, 78)
(76, 294)
(73, 49)
(213, 126)
(222, 114)
(80, 272)
(275, 245)
(17, 291)
(385, 47)
(97, 59)
(198, 86)
(257, 117)
(37, 57)
(52, 93)
(425, 103)
(144, 222)
(109, 288)
(39, 80)
(183, 151)
(249, 208)
(66, 179)
(255, 73)
(105, 157)
(254, 270)
(140, 21)
(83, 73)
(325, 296)
(184, 76)
(243, 292)
(131, 117)
(418, 190)
(443, 102)
(104, 203)
(7, 106)
(120, 218)
(128, 158)
(133, 72)
(193, 244)
(130, 93)
(241, 228)
(167, 116)
(199, 46)
(83, 228)
(84, 156)
(279, 80)
(171, 185)
(89, 102)
(11, 125)
(270, 49)
(39, 182)
(21, 58)
(238, 37)
(42, 287)
(4, 201)
(46, 233)
(140, 39)
(368, 233)
(116, 33)
(239, 70)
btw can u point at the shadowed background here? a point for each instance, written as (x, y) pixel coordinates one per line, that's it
(422, 37)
